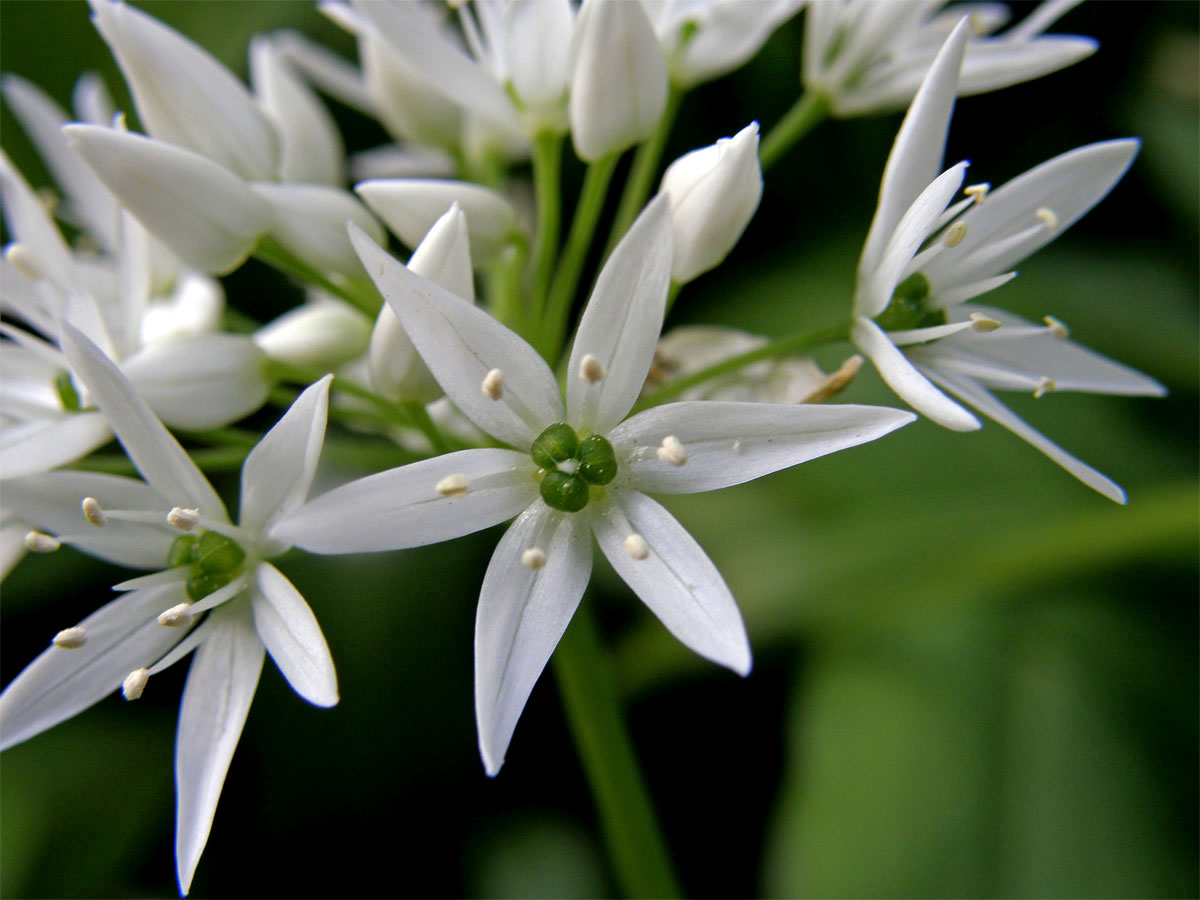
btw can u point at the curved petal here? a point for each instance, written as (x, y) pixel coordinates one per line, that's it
(622, 321)
(153, 450)
(122, 636)
(289, 631)
(220, 685)
(403, 507)
(903, 378)
(461, 344)
(29, 223)
(310, 221)
(278, 472)
(674, 577)
(39, 446)
(728, 443)
(522, 614)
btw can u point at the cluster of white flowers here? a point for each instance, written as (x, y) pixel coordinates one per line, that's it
(119, 331)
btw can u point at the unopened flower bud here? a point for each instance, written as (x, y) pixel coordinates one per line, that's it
(320, 335)
(309, 220)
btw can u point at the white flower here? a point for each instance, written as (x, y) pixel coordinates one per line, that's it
(915, 300)
(212, 573)
(578, 470)
(866, 56)
(714, 192)
(322, 334)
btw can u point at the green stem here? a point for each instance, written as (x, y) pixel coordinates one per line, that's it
(780, 347)
(547, 183)
(583, 668)
(642, 171)
(363, 297)
(420, 417)
(570, 266)
(809, 110)
(504, 284)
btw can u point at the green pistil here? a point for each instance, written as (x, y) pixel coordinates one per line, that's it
(213, 561)
(909, 308)
(67, 395)
(572, 467)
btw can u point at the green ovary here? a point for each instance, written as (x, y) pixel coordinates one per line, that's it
(213, 561)
(909, 307)
(572, 467)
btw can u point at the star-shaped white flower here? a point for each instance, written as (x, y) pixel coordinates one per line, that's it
(212, 573)
(911, 315)
(578, 469)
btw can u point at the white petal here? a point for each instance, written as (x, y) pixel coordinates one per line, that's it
(976, 395)
(153, 450)
(39, 446)
(731, 33)
(121, 637)
(903, 378)
(536, 55)
(403, 508)
(994, 63)
(200, 380)
(289, 631)
(729, 443)
(622, 321)
(460, 343)
(199, 209)
(410, 207)
(220, 685)
(321, 335)
(29, 223)
(184, 96)
(916, 155)
(332, 74)
(676, 580)
(310, 221)
(522, 614)
(279, 470)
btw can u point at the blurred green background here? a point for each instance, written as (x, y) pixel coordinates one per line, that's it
(974, 676)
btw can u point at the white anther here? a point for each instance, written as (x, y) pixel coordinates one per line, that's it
(980, 322)
(590, 369)
(955, 234)
(135, 683)
(636, 546)
(40, 542)
(493, 384)
(1049, 219)
(70, 638)
(1044, 386)
(672, 451)
(533, 558)
(93, 511)
(452, 485)
(176, 616)
(977, 192)
(25, 261)
(1057, 328)
(184, 519)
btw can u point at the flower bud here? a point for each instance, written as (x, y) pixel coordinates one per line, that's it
(322, 334)
(618, 78)
(714, 192)
(310, 221)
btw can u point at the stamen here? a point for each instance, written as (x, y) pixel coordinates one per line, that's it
(955, 233)
(672, 451)
(590, 369)
(980, 322)
(1049, 219)
(25, 261)
(135, 683)
(93, 511)
(452, 485)
(176, 616)
(533, 558)
(184, 519)
(1057, 328)
(1044, 386)
(833, 384)
(70, 638)
(977, 192)
(40, 542)
(636, 546)
(493, 384)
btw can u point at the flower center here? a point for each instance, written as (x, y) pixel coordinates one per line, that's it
(909, 307)
(213, 561)
(572, 467)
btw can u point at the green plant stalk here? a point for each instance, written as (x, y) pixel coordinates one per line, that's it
(420, 416)
(504, 284)
(809, 110)
(587, 684)
(570, 265)
(642, 171)
(366, 300)
(547, 184)
(791, 344)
